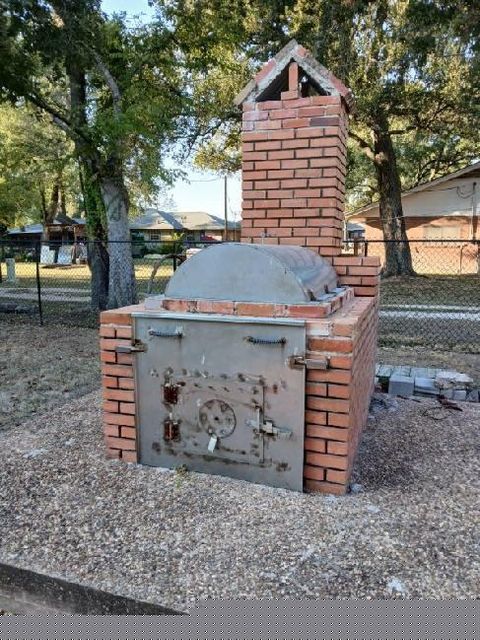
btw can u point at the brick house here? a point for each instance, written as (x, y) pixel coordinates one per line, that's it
(441, 210)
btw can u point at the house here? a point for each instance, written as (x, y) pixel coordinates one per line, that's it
(195, 226)
(444, 209)
(64, 229)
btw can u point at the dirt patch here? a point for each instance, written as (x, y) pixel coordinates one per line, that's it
(44, 367)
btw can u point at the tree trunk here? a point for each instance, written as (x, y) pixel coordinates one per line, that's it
(398, 259)
(98, 258)
(122, 288)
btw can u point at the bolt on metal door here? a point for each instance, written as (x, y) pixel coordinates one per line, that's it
(219, 396)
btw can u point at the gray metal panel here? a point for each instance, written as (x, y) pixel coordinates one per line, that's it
(223, 383)
(253, 273)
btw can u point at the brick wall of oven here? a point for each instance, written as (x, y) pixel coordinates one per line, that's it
(118, 385)
(338, 398)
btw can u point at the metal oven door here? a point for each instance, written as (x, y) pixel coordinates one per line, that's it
(218, 395)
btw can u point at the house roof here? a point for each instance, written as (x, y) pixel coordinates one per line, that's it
(271, 72)
(37, 228)
(154, 219)
(471, 170)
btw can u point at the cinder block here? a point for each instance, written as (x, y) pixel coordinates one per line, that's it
(400, 385)
(426, 386)
(460, 394)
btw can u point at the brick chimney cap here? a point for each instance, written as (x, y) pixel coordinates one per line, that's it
(308, 64)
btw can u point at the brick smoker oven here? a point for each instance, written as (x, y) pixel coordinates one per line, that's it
(258, 362)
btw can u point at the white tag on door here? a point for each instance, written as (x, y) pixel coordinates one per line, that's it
(212, 443)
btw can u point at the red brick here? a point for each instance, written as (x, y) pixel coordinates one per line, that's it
(111, 430)
(117, 370)
(116, 317)
(326, 460)
(122, 395)
(329, 433)
(341, 362)
(124, 332)
(335, 345)
(120, 443)
(337, 448)
(124, 358)
(296, 123)
(127, 407)
(108, 356)
(281, 114)
(107, 331)
(338, 419)
(128, 432)
(315, 444)
(316, 417)
(329, 375)
(316, 389)
(126, 383)
(267, 145)
(117, 418)
(338, 391)
(334, 475)
(314, 486)
(254, 309)
(129, 456)
(313, 472)
(113, 454)
(362, 271)
(109, 382)
(327, 404)
(110, 406)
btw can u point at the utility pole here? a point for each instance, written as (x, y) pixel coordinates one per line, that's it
(225, 207)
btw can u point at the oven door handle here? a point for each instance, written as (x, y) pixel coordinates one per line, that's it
(156, 333)
(266, 341)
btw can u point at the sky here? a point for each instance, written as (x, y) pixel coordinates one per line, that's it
(203, 191)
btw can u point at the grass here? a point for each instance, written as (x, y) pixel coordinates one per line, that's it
(462, 290)
(78, 276)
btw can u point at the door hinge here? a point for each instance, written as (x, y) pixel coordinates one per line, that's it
(137, 346)
(302, 362)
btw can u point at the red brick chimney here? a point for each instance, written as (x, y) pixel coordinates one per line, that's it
(295, 120)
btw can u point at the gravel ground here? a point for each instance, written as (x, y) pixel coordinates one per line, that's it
(43, 367)
(409, 529)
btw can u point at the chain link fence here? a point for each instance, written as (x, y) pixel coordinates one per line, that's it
(438, 308)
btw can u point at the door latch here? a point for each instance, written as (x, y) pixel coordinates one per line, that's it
(137, 346)
(302, 362)
(267, 427)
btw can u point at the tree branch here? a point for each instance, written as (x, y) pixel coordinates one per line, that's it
(111, 84)
(58, 118)
(366, 148)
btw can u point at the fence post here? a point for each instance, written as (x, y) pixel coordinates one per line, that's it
(39, 286)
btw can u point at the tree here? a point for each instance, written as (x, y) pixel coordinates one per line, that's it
(116, 95)
(410, 64)
(39, 177)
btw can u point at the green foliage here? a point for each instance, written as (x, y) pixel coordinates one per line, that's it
(34, 155)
